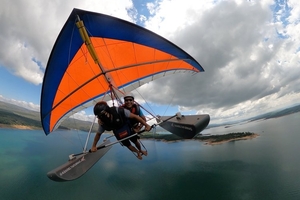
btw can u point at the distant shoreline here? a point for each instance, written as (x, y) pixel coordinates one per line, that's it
(248, 137)
(17, 126)
(208, 140)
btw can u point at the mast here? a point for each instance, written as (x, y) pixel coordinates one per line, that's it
(86, 39)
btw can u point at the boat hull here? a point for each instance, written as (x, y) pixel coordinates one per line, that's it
(185, 127)
(78, 166)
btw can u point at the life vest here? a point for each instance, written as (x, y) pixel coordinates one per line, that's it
(135, 109)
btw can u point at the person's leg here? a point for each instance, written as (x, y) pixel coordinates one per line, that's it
(132, 148)
(138, 145)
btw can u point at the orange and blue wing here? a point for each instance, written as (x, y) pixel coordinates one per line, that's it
(127, 56)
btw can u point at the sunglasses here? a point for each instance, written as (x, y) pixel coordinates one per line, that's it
(128, 100)
(102, 114)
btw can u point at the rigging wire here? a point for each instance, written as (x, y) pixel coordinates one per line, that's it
(169, 103)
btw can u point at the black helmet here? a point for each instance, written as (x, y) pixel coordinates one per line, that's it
(99, 107)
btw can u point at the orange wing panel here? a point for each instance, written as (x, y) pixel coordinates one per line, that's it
(133, 62)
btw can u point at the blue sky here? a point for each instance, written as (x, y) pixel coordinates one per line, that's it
(13, 87)
(249, 50)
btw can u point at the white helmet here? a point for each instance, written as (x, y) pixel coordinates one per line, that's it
(129, 95)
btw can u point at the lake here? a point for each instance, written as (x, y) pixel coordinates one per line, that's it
(266, 167)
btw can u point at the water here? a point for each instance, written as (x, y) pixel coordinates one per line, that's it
(266, 167)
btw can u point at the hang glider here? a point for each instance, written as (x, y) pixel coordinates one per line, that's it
(94, 50)
(96, 54)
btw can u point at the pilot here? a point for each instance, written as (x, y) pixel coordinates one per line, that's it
(116, 119)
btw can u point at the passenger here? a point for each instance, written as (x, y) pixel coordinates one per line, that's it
(117, 120)
(134, 108)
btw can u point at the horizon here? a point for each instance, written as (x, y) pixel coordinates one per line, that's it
(210, 125)
(251, 63)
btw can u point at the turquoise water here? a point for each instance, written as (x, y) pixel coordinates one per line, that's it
(266, 167)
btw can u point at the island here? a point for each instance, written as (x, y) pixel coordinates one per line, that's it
(208, 139)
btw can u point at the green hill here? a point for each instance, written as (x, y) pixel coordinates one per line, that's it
(9, 118)
(11, 115)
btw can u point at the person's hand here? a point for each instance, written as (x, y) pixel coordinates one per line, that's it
(147, 127)
(93, 149)
(137, 129)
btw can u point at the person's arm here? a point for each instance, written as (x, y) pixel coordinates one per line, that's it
(141, 114)
(97, 137)
(138, 127)
(139, 119)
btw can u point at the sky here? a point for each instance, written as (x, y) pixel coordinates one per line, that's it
(249, 50)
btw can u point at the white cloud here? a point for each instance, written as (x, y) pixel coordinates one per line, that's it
(82, 115)
(248, 66)
(29, 30)
(250, 53)
(28, 105)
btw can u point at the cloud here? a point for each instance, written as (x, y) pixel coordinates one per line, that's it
(251, 59)
(28, 105)
(249, 49)
(29, 30)
(82, 115)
